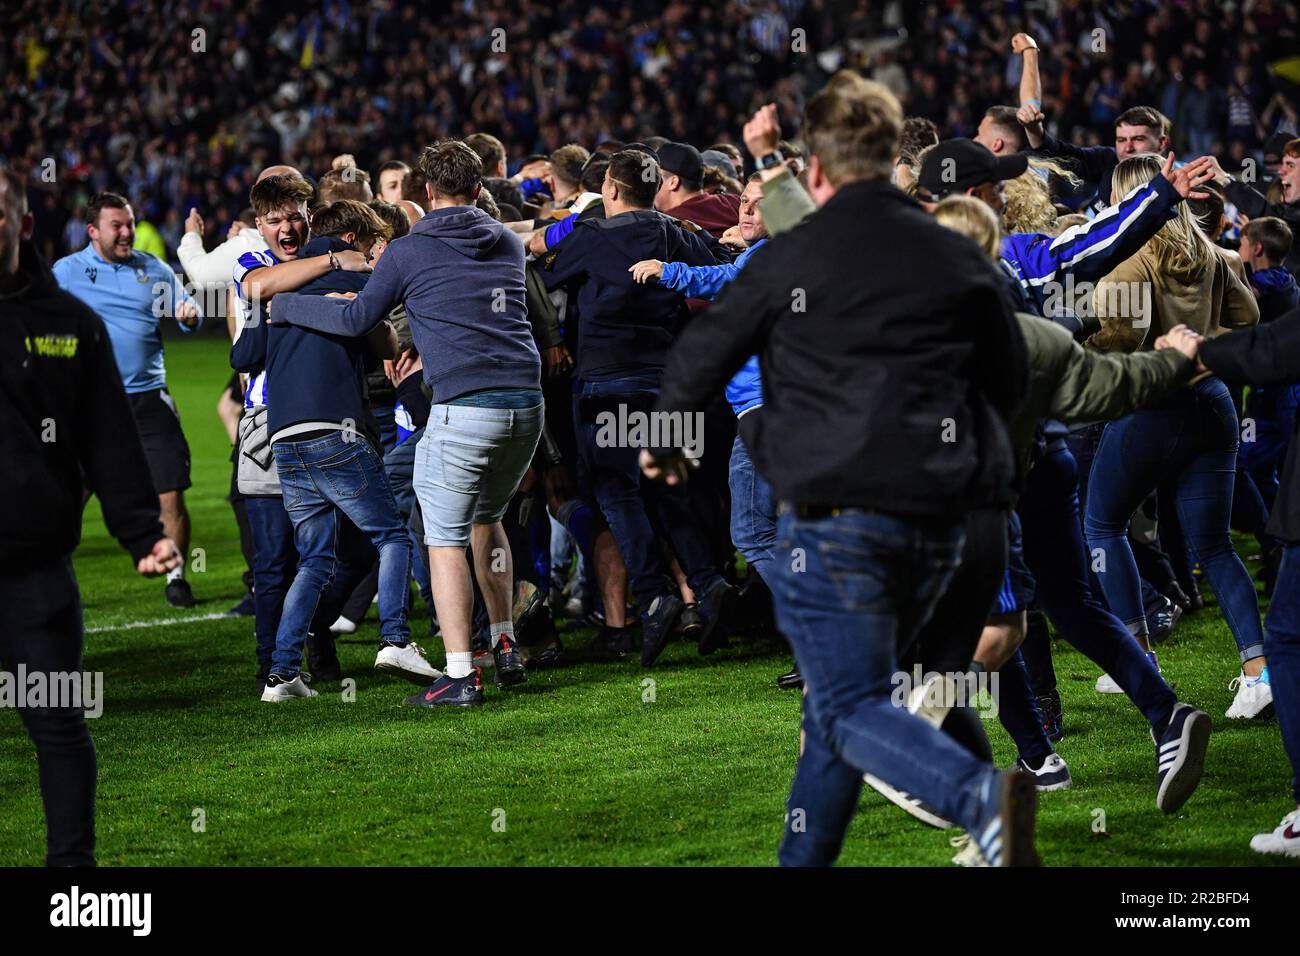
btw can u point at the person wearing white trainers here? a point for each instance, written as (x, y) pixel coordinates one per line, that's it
(278, 690)
(1254, 696)
(1284, 841)
(343, 626)
(406, 661)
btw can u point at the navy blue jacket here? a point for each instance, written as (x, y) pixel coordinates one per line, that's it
(311, 376)
(625, 328)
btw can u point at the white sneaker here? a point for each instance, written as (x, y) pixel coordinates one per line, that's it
(278, 691)
(905, 801)
(1106, 685)
(343, 626)
(406, 662)
(1254, 696)
(1284, 841)
(968, 851)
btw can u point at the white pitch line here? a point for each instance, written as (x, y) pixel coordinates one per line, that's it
(161, 622)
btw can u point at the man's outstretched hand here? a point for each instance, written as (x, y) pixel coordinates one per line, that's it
(163, 558)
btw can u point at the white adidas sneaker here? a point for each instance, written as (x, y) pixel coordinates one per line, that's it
(408, 662)
(1254, 697)
(905, 801)
(277, 690)
(1284, 841)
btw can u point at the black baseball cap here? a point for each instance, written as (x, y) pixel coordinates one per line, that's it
(956, 165)
(682, 160)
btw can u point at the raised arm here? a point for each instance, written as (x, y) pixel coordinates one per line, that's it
(1092, 250)
(1031, 87)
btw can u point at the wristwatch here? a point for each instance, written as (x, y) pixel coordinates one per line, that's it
(334, 262)
(773, 158)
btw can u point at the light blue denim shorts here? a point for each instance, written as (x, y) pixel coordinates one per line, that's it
(468, 465)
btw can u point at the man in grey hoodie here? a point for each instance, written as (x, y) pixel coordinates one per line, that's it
(460, 275)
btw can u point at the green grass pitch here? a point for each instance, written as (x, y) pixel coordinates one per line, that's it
(577, 767)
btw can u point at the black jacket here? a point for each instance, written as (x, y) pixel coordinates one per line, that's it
(64, 424)
(1267, 354)
(624, 327)
(890, 360)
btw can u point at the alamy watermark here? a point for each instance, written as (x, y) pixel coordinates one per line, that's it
(1120, 300)
(641, 429)
(932, 692)
(54, 689)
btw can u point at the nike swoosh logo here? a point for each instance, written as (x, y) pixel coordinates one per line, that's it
(430, 695)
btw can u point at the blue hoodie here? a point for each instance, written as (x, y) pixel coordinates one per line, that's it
(460, 274)
(1276, 291)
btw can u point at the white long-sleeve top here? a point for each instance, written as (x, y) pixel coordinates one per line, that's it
(212, 270)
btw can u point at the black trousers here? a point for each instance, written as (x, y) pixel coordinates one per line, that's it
(947, 642)
(43, 633)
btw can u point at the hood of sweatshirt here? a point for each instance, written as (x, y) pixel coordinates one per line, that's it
(466, 229)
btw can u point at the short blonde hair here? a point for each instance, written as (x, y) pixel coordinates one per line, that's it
(974, 219)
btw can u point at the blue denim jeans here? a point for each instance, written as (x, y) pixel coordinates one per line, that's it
(637, 510)
(753, 513)
(275, 561)
(399, 464)
(1191, 440)
(850, 588)
(1058, 558)
(321, 478)
(1283, 649)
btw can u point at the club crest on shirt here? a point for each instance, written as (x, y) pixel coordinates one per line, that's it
(141, 274)
(91, 272)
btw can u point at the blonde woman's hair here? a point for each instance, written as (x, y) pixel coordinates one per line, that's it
(1028, 198)
(1180, 245)
(974, 219)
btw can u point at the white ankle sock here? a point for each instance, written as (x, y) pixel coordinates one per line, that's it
(507, 628)
(460, 663)
(176, 574)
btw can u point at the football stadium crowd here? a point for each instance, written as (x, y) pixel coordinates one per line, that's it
(968, 327)
(129, 97)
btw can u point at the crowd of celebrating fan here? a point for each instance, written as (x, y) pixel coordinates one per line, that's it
(949, 378)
